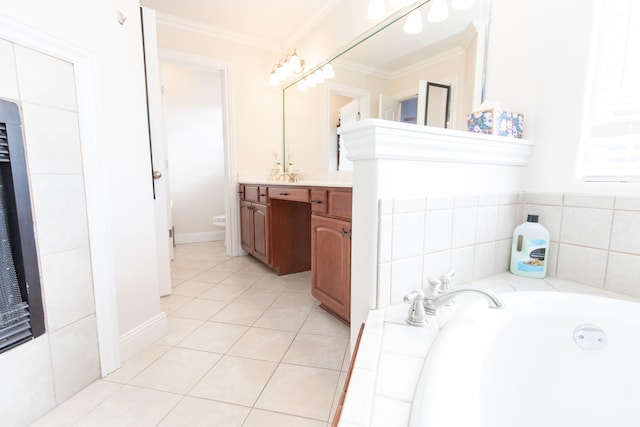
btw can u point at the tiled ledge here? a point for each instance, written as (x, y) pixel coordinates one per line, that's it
(391, 353)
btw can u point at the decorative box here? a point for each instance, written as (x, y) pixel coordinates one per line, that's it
(496, 122)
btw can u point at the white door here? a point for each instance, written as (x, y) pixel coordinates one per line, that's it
(389, 108)
(164, 234)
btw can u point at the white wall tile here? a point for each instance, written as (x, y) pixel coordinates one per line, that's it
(584, 265)
(552, 259)
(460, 202)
(52, 139)
(74, 356)
(408, 235)
(439, 203)
(384, 285)
(68, 287)
(586, 227)
(54, 87)
(628, 203)
(60, 213)
(489, 200)
(434, 265)
(503, 256)
(465, 221)
(588, 200)
(408, 205)
(554, 199)
(26, 389)
(396, 375)
(509, 199)
(507, 221)
(625, 233)
(384, 238)
(406, 275)
(622, 274)
(484, 260)
(8, 76)
(550, 217)
(437, 230)
(486, 229)
(385, 206)
(462, 260)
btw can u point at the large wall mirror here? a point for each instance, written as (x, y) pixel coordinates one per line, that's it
(382, 75)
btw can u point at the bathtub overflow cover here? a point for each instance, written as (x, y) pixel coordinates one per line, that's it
(590, 337)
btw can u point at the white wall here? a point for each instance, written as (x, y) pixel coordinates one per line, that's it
(116, 100)
(193, 123)
(538, 61)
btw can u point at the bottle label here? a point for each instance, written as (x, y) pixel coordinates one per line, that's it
(537, 250)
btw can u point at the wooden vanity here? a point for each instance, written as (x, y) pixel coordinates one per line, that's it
(294, 228)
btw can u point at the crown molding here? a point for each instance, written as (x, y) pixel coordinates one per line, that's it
(215, 32)
(328, 7)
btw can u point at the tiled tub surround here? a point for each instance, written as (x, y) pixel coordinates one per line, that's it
(595, 240)
(391, 353)
(46, 371)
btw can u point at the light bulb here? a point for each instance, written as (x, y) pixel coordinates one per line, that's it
(318, 76)
(273, 79)
(281, 73)
(327, 71)
(311, 80)
(302, 85)
(413, 24)
(438, 11)
(294, 61)
(376, 9)
(462, 4)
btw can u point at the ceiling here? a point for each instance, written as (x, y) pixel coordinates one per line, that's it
(275, 22)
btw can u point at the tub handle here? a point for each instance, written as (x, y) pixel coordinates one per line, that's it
(417, 315)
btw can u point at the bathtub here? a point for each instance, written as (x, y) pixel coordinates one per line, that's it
(547, 359)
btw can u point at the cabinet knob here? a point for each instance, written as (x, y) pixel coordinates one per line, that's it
(315, 201)
(284, 194)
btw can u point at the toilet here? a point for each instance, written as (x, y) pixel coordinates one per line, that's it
(221, 221)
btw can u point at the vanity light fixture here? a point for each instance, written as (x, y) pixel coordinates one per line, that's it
(302, 85)
(413, 24)
(438, 11)
(319, 76)
(327, 71)
(287, 67)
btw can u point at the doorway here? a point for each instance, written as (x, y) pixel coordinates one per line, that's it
(193, 121)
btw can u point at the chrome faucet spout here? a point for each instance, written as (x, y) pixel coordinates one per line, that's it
(433, 302)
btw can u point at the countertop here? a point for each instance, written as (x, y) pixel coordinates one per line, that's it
(391, 353)
(266, 183)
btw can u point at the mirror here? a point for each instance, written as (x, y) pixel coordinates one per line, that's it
(379, 73)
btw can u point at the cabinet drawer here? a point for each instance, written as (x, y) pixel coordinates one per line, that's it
(287, 193)
(319, 201)
(340, 204)
(254, 193)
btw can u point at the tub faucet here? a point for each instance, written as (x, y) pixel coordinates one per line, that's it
(436, 296)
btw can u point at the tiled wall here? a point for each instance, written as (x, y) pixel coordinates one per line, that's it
(42, 373)
(419, 238)
(595, 239)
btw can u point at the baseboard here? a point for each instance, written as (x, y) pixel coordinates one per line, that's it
(207, 236)
(139, 338)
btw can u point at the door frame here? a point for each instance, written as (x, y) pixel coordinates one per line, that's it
(205, 63)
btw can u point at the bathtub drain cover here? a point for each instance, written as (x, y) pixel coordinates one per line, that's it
(590, 337)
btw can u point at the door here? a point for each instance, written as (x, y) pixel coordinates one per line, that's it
(260, 233)
(246, 226)
(158, 172)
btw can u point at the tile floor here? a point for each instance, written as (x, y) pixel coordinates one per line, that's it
(244, 347)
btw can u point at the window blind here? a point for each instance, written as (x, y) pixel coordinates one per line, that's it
(612, 137)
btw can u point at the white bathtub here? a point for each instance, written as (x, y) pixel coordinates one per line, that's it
(521, 366)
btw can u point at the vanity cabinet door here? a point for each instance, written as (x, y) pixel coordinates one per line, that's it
(245, 226)
(331, 264)
(260, 233)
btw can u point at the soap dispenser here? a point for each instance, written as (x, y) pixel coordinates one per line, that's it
(529, 249)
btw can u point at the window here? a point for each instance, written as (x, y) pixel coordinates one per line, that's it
(612, 131)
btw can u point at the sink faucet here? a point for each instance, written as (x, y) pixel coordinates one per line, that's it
(436, 295)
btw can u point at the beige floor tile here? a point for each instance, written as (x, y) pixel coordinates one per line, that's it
(131, 406)
(240, 314)
(300, 390)
(177, 371)
(320, 351)
(337, 395)
(178, 273)
(262, 418)
(74, 408)
(214, 337)
(283, 318)
(299, 285)
(230, 266)
(191, 288)
(193, 411)
(263, 344)
(172, 302)
(323, 323)
(258, 296)
(212, 276)
(224, 292)
(296, 300)
(178, 329)
(199, 309)
(257, 268)
(235, 380)
(137, 363)
(271, 282)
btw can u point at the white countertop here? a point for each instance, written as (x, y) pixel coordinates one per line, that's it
(267, 183)
(391, 353)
